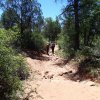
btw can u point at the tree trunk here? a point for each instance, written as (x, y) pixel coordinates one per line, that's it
(85, 38)
(21, 28)
(77, 30)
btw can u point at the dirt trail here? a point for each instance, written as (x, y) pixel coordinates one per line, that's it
(47, 83)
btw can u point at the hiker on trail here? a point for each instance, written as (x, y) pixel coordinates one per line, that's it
(52, 47)
(47, 48)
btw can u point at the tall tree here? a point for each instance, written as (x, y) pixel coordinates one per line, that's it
(80, 13)
(7, 19)
(77, 31)
(88, 20)
(29, 16)
(52, 29)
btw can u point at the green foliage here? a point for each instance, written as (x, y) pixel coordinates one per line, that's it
(10, 65)
(86, 51)
(62, 54)
(96, 48)
(81, 25)
(61, 41)
(9, 83)
(21, 69)
(37, 41)
(89, 63)
(12, 37)
(24, 13)
(80, 34)
(7, 19)
(89, 67)
(66, 45)
(52, 29)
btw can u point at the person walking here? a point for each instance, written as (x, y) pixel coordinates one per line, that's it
(47, 48)
(52, 47)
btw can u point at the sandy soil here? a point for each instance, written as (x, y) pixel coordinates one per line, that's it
(46, 82)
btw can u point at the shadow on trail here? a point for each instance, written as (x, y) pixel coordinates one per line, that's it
(61, 62)
(77, 76)
(36, 55)
(84, 71)
(72, 76)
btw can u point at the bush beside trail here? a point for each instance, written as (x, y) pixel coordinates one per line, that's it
(89, 65)
(12, 68)
(87, 60)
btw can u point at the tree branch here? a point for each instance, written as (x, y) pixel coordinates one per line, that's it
(66, 9)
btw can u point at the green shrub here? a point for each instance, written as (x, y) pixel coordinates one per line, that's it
(60, 42)
(37, 41)
(15, 37)
(10, 65)
(10, 37)
(89, 64)
(89, 67)
(86, 51)
(21, 70)
(66, 45)
(9, 81)
(32, 40)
